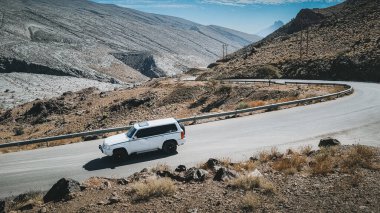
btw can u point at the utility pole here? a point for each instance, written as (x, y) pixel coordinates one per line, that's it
(301, 35)
(307, 42)
(224, 48)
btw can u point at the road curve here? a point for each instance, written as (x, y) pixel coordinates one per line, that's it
(351, 119)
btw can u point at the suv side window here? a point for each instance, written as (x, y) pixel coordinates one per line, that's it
(158, 130)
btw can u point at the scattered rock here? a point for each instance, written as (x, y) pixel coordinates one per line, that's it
(224, 174)
(195, 174)
(100, 203)
(43, 210)
(62, 189)
(122, 181)
(114, 199)
(326, 142)
(211, 163)
(180, 168)
(2, 206)
(255, 173)
(90, 137)
(27, 206)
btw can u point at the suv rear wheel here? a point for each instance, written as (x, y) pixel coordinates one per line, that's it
(120, 154)
(170, 147)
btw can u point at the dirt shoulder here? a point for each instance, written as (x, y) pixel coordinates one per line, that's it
(332, 179)
(91, 109)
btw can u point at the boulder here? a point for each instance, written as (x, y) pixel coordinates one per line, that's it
(195, 174)
(224, 174)
(114, 199)
(122, 181)
(2, 206)
(62, 190)
(211, 163)
(326, 142)
(180, 168)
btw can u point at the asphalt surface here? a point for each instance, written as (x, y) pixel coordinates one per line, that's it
(351, 119)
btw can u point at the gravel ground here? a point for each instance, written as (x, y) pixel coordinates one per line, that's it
(336, 190)
(19, 88)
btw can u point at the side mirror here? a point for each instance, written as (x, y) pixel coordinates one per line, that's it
(134, 137)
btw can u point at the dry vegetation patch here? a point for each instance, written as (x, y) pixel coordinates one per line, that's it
(153, 188)
(247, 182)
(269, 188)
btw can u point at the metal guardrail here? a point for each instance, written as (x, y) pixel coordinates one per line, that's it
(200, 117)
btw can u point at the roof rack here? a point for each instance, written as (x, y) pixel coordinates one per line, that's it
(143, 124)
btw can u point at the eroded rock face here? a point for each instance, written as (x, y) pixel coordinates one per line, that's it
(326, 142)
(62, 190)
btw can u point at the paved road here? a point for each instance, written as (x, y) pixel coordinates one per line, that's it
(351, 119)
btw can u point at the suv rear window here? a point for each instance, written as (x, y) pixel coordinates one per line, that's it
(157, 130)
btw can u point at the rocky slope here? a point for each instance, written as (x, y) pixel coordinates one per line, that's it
(91, 108)
(337, 43)
(104, 42)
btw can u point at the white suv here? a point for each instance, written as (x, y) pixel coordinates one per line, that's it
(164, 134)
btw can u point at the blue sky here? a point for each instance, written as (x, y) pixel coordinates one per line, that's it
(245, 15)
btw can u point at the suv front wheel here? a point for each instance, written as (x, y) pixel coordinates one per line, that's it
(170, 147)
(120, 154)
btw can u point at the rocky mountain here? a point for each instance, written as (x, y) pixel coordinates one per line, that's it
(265, 32)
(104, 42)
(336, 43)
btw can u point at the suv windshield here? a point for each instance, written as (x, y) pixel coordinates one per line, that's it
(131, 132)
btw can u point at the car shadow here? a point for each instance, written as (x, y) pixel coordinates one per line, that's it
(108, 162)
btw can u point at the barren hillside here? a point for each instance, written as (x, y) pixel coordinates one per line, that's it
(338, 43)
(104, 42)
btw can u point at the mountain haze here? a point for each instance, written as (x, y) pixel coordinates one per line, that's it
(265, 32)
(105, 42)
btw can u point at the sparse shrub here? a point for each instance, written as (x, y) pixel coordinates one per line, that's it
(324, 161)
(247, 182)
(223, 90)
(265, 156)
(306, 150)
(291, 164)
(153, 188)
(242, 105)
(244, 166)
(250, 202)
(257, 103)
(18, 131)
(358, 156)
(160, 167)
(268, 72)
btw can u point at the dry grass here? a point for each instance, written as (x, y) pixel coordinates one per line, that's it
(257, 103)
(306, 150)
(324, 162)
(265, 156)
(358, 156)
(250, 202)
(290, 164)
(245, 166)
(160, 167)
(153, 188)
(247, 182)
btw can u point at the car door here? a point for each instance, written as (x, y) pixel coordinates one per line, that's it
(140, 142)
